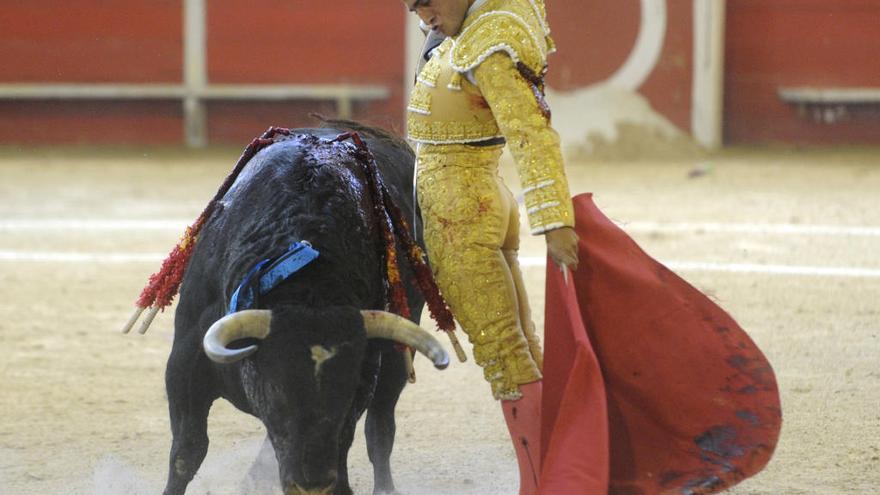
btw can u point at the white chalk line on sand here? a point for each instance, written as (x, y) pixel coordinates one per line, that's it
(684, 266)
(699, 266)
(78, 257)
(91, 224)
(632, 227)
(25, 224)
(751, 228)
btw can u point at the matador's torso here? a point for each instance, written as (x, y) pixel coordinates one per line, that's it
(446, 106)
(486, 83)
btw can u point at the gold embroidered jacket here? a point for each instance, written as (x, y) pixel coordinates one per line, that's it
(487, 82)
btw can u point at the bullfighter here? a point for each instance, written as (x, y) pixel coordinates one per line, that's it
(481, 87)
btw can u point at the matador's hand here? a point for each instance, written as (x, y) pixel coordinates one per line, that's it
(562, 245)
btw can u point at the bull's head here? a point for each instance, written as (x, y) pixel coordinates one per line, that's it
(304, 379)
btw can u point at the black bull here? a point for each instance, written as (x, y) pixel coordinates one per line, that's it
(315, 371)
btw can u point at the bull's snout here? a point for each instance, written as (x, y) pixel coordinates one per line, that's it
(295, 489)
(316, 484)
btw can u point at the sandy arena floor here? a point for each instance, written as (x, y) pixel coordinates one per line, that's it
(83, 407)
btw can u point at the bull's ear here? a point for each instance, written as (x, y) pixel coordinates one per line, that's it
(248, 324)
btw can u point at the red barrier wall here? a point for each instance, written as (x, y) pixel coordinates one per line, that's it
(770, 44)
(262, 41)
(91, 41)
(669, 86)
(141, 41)
(784, 43)
(595, 38)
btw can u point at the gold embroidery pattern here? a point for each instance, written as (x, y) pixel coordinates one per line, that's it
(431, 71)
(420, 100)
(455, 82)
(472, 234)
(449, 109)
(532, 142)
(502, 25)
(451, 132)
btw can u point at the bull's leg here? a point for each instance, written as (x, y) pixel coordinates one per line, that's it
(369, 375)
(188, 406)
(188, 448)
(380, 426)
(346, 437)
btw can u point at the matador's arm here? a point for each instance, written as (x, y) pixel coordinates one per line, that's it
(533, 143)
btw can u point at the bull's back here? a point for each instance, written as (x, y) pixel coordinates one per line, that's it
(291, 191)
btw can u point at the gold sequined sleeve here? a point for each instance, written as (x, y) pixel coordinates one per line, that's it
(532, 142)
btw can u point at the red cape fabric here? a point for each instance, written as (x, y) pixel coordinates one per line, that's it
(649, 387)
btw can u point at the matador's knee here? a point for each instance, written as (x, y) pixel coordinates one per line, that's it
(479, 291)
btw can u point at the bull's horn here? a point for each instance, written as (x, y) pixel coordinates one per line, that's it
(385, 325)
(251, 323)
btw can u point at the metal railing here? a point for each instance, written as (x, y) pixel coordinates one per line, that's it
(829, 105)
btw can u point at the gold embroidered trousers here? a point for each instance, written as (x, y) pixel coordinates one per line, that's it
(471, 224)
